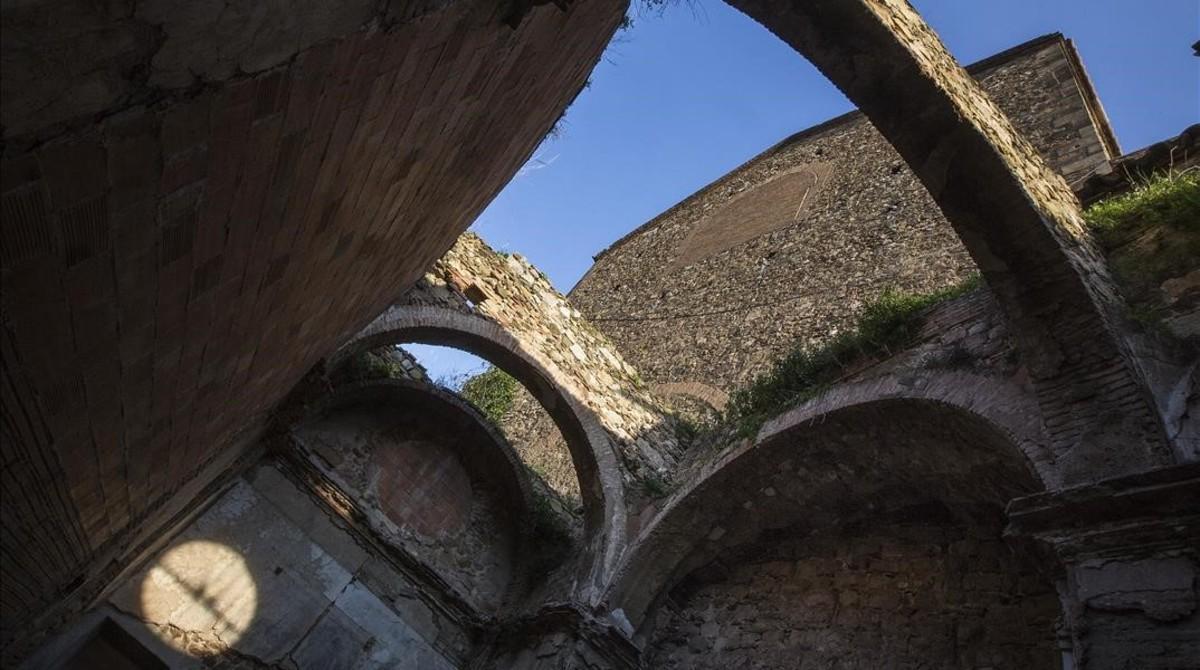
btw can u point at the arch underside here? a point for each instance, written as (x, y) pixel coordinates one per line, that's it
(915, 586)
(499, 459)
(818, 472)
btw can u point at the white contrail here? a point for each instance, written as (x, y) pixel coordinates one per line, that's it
(536, 163)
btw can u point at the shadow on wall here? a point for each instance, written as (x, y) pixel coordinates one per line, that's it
(914, 587)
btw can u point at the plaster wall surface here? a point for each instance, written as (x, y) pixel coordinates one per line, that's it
(68, 61)
(1140, 610)
(1128, 546)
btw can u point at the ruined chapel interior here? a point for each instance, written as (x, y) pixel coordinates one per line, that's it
(957, 425)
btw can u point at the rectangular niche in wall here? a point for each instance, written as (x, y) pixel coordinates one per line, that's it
(113, 648)
(770, 206)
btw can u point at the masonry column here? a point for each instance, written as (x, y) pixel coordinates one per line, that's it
(1131, 551)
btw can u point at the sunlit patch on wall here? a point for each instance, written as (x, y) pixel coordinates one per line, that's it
(200, 586)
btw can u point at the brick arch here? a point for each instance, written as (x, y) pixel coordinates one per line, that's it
(842, 453)
(712, 396)
(592, 452)
(1017, 218)
(499, 464)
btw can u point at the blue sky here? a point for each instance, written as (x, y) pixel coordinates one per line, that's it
(682, 98)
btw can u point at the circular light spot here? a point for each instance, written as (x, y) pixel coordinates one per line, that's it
(200, 586)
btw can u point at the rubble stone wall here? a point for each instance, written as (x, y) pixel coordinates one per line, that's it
(533, 434)
(509, 291)
(863, 224)
(906, 595)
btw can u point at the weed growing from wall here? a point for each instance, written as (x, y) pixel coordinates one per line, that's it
(1155, 230)
(887, 324)
(654, 486)
(1150, 234)
(1169, 200)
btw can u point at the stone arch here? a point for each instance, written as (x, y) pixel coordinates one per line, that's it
(1018, 219)
(713, 397)
(828, 447)
(1008, 409)
(592, 452)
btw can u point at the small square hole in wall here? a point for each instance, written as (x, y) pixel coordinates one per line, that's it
(475, 295)
(113, 648)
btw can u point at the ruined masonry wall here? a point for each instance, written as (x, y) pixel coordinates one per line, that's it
(917, 596)
(527, 426)
(510, 291)
(829, 243)
(541, 445)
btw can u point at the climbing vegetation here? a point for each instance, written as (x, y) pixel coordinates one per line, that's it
(492, 391)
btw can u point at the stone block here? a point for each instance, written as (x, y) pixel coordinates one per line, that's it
(1162, 588)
